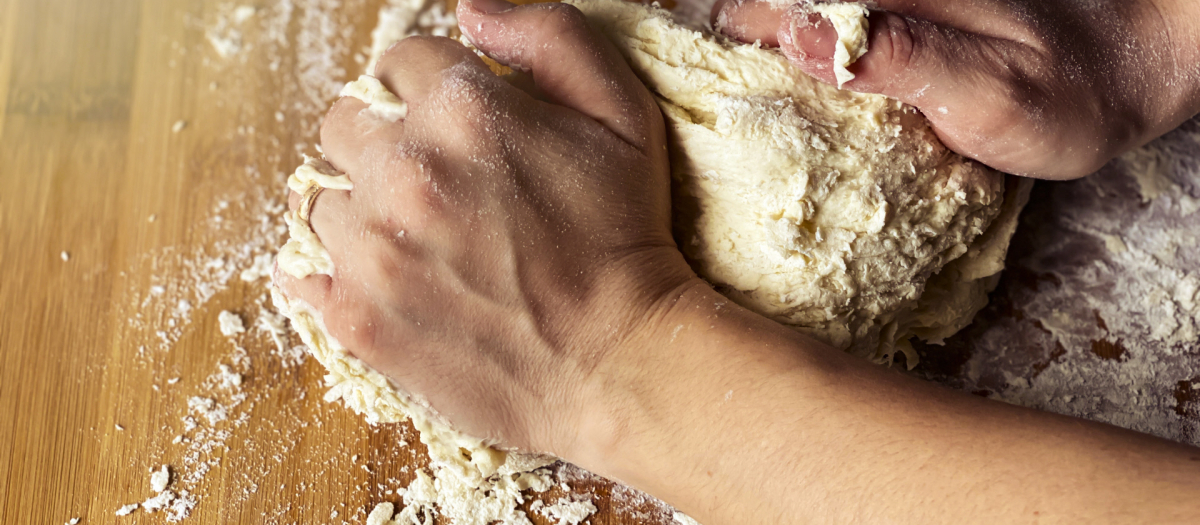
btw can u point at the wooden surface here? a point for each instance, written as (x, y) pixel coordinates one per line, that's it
(149, 217)
(90, 165)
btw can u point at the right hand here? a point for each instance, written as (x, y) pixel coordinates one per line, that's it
(1047, 89)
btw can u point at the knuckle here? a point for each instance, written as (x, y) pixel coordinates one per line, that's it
(335, 118)
(901, 45)
(565, 16)
(418, 50)
(354, 325)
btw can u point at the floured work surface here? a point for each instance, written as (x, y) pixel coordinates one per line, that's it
(1098, 314)
(106, 348)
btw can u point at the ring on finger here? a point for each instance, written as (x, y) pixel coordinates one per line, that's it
(304, 211)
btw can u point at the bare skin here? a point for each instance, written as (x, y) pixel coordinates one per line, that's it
(1047, 89)
(510, 259)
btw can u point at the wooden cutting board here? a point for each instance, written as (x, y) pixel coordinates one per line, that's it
(140, 172)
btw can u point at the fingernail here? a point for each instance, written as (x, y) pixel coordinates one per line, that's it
(491, 6)
(811, 35)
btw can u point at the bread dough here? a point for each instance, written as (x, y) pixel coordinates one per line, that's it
(827, 210)
(850, 22)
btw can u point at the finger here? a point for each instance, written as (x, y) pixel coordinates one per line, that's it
(334, 220)
(573, 65)
(972, 88)
(749, 20)
(313, 290)
(352, 137)
(412, 68)
(911, 60)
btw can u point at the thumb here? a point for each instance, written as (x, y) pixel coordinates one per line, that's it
(572, 64)
(909, 59)
(958, 80)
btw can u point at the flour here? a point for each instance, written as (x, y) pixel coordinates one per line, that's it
(566, 511)
(1099, 317)
(226, 34)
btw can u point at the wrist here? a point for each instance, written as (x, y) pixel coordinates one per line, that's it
(656, 406)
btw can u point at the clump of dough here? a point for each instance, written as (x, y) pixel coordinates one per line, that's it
(826, 210)
(850, 21)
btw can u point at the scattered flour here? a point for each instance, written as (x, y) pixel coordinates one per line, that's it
(566, 511)
(1099, 313)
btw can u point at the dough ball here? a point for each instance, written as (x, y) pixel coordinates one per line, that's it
(826, 210)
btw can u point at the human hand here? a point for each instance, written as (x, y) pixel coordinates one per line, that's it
(1044, 89)
(496, 249)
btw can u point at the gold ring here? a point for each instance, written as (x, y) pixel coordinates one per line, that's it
(304, 211)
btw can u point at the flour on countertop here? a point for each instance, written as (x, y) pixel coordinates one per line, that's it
(1099, 315)
(566, 511)
(1104, 389)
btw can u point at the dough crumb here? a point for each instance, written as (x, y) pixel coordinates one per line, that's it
(230, 323)
(381, 514)
(66, 256)
(160, 479)
(127, 510)
(850, 22)
(178, 126)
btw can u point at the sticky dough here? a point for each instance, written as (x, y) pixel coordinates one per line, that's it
(850, 22)
(830, 211)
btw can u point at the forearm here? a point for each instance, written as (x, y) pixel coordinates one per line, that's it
(1179, 25)
(737, 420)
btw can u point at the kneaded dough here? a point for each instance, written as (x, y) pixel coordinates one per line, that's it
(826, 210)
(850, 22)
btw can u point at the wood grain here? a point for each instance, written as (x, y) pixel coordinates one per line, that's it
(90, 166)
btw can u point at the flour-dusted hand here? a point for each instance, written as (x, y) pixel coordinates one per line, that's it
(1049, 89)
(496, 248)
